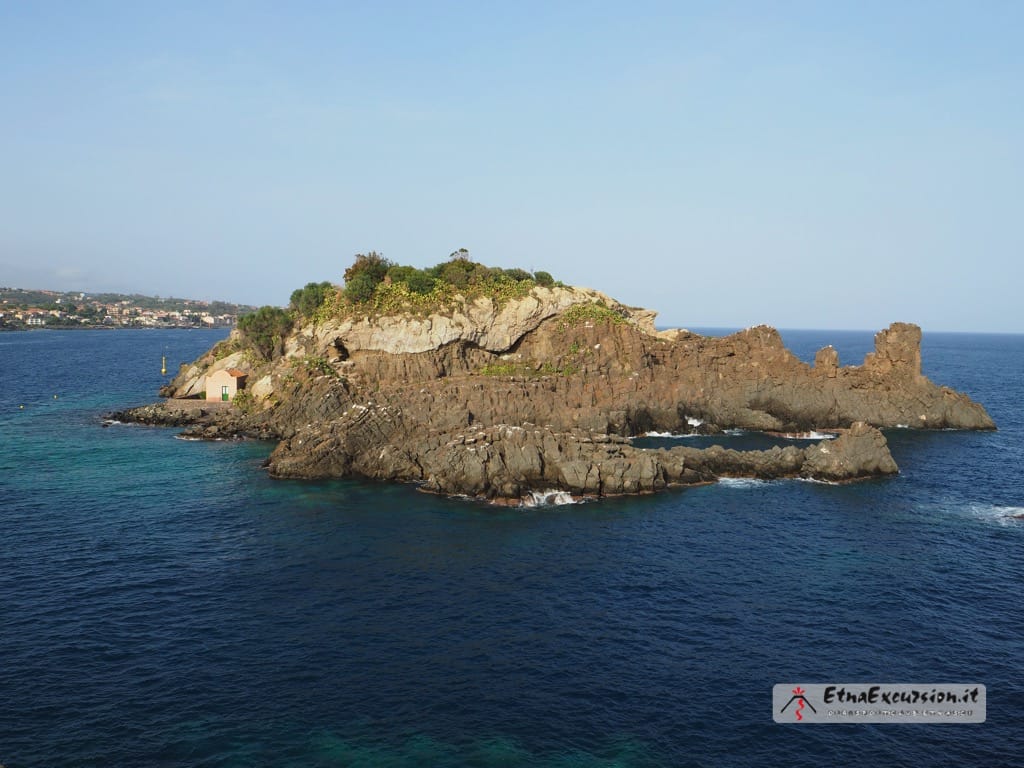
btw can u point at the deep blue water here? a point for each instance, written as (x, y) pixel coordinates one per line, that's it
(164, 603)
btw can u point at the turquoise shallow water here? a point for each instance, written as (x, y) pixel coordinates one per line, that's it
(164, 603)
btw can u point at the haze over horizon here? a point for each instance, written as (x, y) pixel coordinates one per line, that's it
(726, 164)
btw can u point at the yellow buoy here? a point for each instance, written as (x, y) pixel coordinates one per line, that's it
(163, 365)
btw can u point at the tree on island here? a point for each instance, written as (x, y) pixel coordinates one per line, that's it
(265, 330)
(371, 274)
(366, 273)
(306, 301)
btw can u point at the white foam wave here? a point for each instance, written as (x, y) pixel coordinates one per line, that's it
(735, 431)
(671, 435)
(812, 435)
(694, 422)
(1010, 511)
(551, 498)
(741, 482)
(998, 513)
(116, 423)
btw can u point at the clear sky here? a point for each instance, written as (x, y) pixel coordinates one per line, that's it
(802, 164)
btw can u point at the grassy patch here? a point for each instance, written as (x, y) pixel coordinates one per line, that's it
(319, 365)
(375, 285)
(244, 401)
(313, 366)
(579, 314)
(225, 348)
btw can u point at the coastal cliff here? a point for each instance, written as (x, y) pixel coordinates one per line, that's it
(542, 391)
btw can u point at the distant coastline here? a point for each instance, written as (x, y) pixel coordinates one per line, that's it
(24, 309)
(51, 328)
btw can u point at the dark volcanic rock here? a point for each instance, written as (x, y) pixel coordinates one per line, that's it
(160, 415)
(500, 401)
(510, 462)
(859, 452)
(203, 420)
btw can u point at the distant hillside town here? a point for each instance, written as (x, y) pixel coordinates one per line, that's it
(22, 309)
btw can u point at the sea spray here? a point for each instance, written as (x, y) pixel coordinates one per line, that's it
(549, 498)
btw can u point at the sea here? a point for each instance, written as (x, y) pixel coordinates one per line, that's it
(165, 603)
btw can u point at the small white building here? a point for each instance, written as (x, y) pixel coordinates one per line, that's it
(224, 385)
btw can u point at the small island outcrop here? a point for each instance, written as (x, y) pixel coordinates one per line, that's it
(505, 384)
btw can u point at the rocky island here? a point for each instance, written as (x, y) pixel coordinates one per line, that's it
(499, 384)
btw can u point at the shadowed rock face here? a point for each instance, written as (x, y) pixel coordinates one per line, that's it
(501, 401)
(508, 462)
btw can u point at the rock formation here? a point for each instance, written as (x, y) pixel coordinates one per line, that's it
(544, 392)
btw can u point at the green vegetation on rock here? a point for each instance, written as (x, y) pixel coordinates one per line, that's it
(593, 313)
(307, 301)
(265, 329)
(377, 284)
(319, 365)
(505, 369)
(225, 348)
(243, 400)
(366, 273)
(544, 278)
(416, 280)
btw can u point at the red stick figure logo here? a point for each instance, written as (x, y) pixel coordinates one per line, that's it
(801, 702)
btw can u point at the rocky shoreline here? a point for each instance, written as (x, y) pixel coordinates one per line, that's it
(201, 419)
(544, 393)
(506, 463)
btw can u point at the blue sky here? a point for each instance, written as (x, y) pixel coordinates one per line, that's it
(819, 164)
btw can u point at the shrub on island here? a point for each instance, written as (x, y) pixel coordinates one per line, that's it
(374, 284)
(378, 284)
(265, 329)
